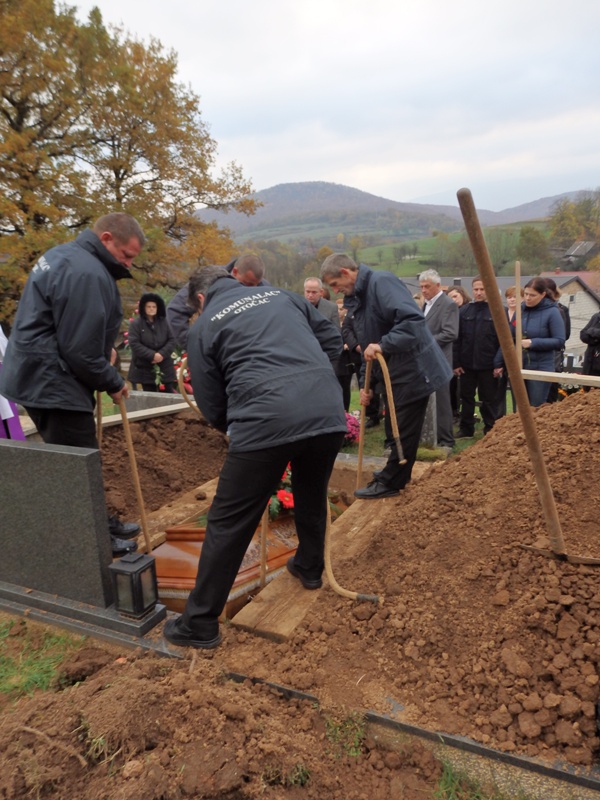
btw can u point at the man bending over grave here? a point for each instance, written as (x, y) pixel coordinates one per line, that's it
(59, 351)
(260, 360)
(388, 321)
(248, 269)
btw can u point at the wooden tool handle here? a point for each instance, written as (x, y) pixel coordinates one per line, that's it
(135, 474)
(363, 415)
(486, 270)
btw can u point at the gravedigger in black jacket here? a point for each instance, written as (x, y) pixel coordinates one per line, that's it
(260, 362)
(59, 350)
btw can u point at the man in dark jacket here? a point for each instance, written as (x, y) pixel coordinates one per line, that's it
(260, 361)
(248, 270)
(388, 321)
(441, 316)
(478, 361)
(60, 346)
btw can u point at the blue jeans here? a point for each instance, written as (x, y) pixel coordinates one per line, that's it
(537, 392)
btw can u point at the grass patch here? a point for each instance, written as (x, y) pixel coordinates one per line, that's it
(109, 409)
(374, 443)
(347, 736)
(29, 658)
(456, 785)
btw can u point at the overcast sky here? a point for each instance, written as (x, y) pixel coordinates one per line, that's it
(406, 99)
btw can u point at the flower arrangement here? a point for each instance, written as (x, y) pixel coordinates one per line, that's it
(352, 429)
(127, 323)
(178, 358)
(283, 499)
(158, 377)
(565, 389)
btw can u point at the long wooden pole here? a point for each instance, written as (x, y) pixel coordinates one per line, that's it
(264, 530)
(135, 475)
(99, 419)
(518, 314)
(363, 416)
(486, 270)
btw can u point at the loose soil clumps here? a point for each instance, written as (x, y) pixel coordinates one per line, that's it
(149, 727)
(473, 635)
(174, 454)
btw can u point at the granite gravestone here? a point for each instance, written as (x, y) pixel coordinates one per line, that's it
(429, 431)
(53, 524)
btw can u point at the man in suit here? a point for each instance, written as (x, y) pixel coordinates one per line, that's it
(441, 316)
(313, 291)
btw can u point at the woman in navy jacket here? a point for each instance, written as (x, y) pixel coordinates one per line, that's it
(543, 334)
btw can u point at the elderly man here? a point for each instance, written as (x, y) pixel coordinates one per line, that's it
(388, 321)
(59, 352)
(249, 270)
(313, 291)
(441, 316)
(260, 361)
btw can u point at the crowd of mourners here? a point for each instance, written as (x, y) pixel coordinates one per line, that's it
(273, 371)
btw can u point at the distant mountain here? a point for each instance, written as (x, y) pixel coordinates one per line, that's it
(319, 211)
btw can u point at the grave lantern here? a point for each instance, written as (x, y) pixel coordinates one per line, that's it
(134, 584)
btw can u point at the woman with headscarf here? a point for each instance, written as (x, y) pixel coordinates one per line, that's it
(152, 344)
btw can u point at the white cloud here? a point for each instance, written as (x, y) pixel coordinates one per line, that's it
(400, 99)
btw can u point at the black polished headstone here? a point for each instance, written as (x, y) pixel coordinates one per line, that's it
(53, 521)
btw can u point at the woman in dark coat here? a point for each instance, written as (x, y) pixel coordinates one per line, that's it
(152, 344)
(559, 355)
(543, 334)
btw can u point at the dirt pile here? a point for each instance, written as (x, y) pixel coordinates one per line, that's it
(476, 635)
(142, 726)
(174, 453)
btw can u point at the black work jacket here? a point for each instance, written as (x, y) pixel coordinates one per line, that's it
(260, 362)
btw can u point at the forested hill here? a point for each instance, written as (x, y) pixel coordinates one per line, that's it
(321, 210)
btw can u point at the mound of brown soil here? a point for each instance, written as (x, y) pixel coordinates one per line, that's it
(474, 635)
(146, 727)
(174, 454)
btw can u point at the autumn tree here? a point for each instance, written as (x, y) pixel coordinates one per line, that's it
(355, 243)
(565, 228)
(152, 155)
(46, 60)
(92, 120)
(532, 247)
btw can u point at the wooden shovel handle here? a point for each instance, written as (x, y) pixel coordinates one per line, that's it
(135, 474)
(363, 416)
(486, 270)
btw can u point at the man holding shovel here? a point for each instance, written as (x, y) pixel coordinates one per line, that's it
(260, 360)
(388, 321)
(59, 351)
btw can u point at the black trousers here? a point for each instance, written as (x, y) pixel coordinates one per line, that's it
(246, 482)
(410, 417)
(170, 388)
(73, 428)
(479, 381)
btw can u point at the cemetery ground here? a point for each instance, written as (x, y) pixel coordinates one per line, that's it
(473, 636)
